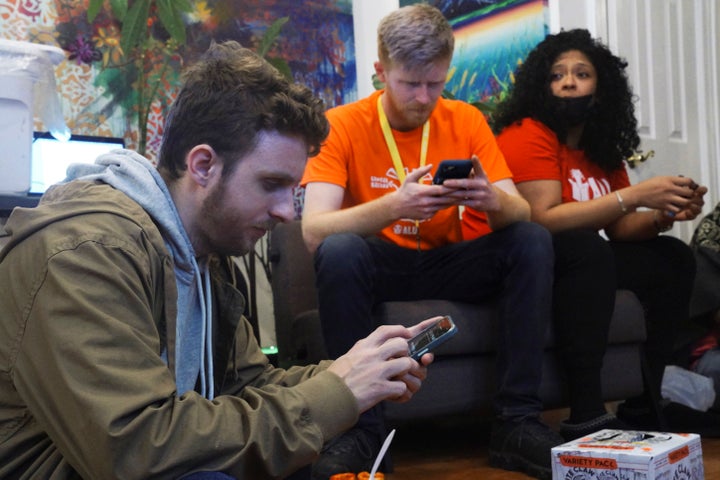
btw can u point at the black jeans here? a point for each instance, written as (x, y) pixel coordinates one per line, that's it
(208, 476)
(661, 272)
(513, 266)
(588, 271)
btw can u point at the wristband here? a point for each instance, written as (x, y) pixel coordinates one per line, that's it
(658, 226)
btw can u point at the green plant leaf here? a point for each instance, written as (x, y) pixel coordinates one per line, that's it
(484, 107)
(271, 35)
(183, 5)
(281, 65)
(119, 9)
(377, 83)
(448, 94)
(134, 29)
(171, 18)
(94, 8)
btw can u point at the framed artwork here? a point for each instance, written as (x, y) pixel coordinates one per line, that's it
(492, 37)
(317, 42)
(99, 87)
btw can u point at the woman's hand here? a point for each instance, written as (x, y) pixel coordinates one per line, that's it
(670, 194)
(694, 206)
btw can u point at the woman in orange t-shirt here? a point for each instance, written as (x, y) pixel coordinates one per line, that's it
(565, 130)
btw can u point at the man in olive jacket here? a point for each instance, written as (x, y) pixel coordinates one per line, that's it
(123, 350)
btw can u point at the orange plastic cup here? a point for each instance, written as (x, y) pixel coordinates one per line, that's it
(366, 476)
(360, 476)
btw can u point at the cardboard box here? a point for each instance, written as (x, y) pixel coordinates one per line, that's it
(629, 455)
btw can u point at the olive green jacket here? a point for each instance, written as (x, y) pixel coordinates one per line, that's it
(87, 307)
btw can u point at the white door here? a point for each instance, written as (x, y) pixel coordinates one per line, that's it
(672, 50)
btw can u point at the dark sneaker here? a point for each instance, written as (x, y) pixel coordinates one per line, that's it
(571, 431)
(352, 452)
(683, 419)
(678, 418)
(524, 446)
(639, 417)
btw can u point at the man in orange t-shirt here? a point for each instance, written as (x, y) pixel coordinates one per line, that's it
(456, 130)
(381, 230)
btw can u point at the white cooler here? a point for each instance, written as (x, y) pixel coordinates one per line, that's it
(27, 79)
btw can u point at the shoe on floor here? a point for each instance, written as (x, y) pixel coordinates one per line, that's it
(683, 419)
(523, 445)
(678, 419)
(638, 417)
(571, 431)
(351, 452)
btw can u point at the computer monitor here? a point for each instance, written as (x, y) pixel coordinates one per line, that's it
(51, 157)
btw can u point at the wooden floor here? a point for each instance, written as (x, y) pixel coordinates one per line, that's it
(456, 449)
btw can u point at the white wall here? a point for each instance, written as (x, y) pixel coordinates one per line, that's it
(568, 14)
(366, 16)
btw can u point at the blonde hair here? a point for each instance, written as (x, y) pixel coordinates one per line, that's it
(415, 36)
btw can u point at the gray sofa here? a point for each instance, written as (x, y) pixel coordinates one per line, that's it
(462, 378)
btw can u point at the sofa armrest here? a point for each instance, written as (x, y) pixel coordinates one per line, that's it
(293, 285)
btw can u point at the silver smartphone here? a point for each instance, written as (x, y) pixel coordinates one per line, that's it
(427, 340)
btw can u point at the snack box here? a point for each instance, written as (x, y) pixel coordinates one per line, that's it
(629, 455)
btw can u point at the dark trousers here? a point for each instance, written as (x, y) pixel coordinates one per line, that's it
(661, 272)
(513, 266)
(588, 271)
(301, 474)
(208, 476)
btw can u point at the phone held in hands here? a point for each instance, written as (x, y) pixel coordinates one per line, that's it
(452, 169)
(430, 338)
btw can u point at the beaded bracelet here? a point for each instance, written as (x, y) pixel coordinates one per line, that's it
(656, 222)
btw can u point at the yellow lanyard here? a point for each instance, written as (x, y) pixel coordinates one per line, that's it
(392, 146)
(395, 153)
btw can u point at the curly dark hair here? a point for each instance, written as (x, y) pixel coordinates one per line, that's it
(610, 134)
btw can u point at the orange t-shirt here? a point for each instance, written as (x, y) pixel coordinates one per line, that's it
(356, 157)
(533, 152)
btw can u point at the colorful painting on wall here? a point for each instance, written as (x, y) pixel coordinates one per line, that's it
(99, 88)
(492, 37)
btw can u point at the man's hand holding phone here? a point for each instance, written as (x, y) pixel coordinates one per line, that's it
(433, 332)
(378, 367)
(452, 169)
(431, 337)
(455, 182)
(417, 200)
(475, 191)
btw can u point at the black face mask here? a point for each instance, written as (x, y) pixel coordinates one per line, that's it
(573, 110)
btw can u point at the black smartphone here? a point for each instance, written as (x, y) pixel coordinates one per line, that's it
(427, 340)
(452, 169)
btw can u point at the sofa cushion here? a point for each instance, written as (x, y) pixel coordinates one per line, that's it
(476, 325)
